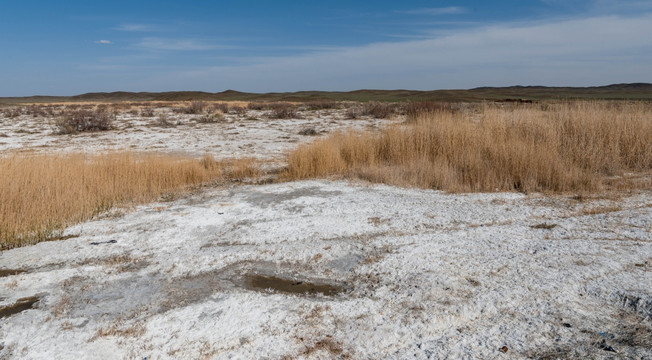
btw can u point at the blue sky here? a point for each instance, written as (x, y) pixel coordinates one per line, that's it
(71, 47)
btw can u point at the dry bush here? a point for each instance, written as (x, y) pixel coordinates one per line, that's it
(415, 109)
(14, 112)
(221, 107)
(164, 120)
(42, 193)
(354, 112)
(379, 110)
(322, 104)
(283, 110)
(39, 110)
(147, 112)
(257, 106)
(573, 146)
(195, 107)
(308, 132)
(75, 121)
(239, 110)
(211, 118)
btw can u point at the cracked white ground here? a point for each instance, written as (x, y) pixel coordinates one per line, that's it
(419, 274)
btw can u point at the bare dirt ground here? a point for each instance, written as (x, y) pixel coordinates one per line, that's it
(326, 269)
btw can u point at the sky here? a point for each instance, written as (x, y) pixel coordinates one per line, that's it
(72, 47)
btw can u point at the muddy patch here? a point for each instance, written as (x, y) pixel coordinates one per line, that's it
(264, 200)
(291, 286)
(19, 306)
(10, 272)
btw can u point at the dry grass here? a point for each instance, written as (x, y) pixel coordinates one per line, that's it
(42, 193)
(572, 146)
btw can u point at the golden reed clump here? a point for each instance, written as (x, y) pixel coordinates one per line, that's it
(569, 146)
(42, 193)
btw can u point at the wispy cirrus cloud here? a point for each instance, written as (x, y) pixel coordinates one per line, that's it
(448, 10)
(104, 42)
(137, 28)
(156, 43)
(580, 52)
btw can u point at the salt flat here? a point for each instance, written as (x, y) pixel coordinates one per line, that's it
(252, 134)
(324, 268)
(420, 274)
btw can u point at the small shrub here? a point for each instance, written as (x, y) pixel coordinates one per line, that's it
(322, 104)
(222, 107)
(164, 120)
(211, 118)
(14, 112)
(149, 112)
(354, 112)
(379, 110)
(75, 121)
(239, 110)
(283, 111)
(195, 107)
(256, 106)
(308, 132)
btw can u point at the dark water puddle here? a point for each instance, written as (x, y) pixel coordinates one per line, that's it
(20, 305)
(262, 282)
(9, 272)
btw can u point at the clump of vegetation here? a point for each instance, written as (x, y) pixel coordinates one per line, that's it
(575, 146)
(257, 106)
(354, 112)
(239, 110)
(221, 107)
(379, 110)
(308, 132)
(322, 104)
(164, 120)
(14, 112)
(40, 194)
(414, 109)
(147, 112)
(195, 107)
(212, 118)
(81, 120)
(283, 110)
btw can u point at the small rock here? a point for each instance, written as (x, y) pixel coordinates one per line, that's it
(104, 242)
(567, 325)
(605, 347)
(504, 349)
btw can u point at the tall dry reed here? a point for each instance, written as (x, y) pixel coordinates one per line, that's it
(42, 193)
(572, 146)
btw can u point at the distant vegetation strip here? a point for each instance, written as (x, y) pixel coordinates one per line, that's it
(635, 91)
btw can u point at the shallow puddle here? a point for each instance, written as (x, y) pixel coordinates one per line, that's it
(261, 282)
(20, 305)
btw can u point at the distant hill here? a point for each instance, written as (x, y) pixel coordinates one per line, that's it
(634, 91)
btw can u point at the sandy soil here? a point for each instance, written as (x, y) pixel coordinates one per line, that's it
(349, 270)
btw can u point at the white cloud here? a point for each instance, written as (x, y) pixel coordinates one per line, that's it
(136, 27)
(154, 43)
(591, 51)
(105, 42)
(449, 10)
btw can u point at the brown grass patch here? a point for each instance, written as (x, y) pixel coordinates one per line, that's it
(40, 194)
(572, 146)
